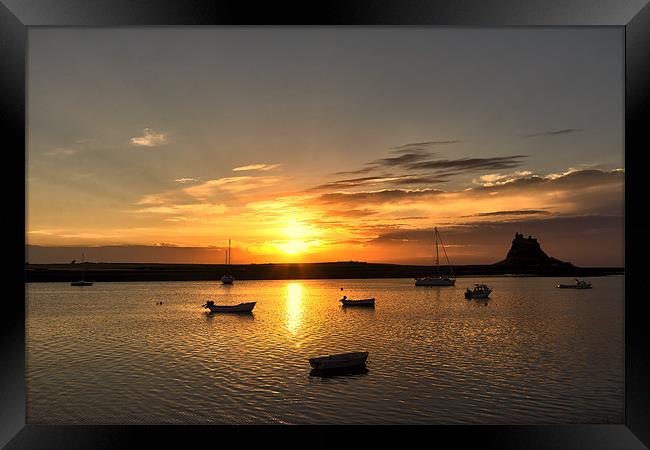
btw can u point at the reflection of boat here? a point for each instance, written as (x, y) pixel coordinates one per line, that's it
(228, 278)
(364, 302)
(479, 291)
(242, 307)
(577, 285)
(82, 282)
(437, 280)
(340, 361)
(360, 370)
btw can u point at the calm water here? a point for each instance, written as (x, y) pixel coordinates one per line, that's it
(535, 354)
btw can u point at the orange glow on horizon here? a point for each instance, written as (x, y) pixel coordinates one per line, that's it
(343, 226)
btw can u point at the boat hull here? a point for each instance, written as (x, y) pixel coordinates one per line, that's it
(367, 302)
(242, 307)
(478, 296)
(339, 362)
(572, 286)
(435, 282)
(81, 283)
(227, 279)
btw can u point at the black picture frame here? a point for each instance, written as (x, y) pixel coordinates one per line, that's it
(17, 16)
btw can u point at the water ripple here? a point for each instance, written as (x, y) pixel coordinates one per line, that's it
(532, 355)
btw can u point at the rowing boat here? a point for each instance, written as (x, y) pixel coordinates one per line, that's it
(340, 361)
(242, 307)
(363, 302)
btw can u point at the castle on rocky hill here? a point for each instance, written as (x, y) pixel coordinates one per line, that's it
(527, 253)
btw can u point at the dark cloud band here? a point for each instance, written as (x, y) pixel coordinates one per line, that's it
(554, 132)
(471, 164)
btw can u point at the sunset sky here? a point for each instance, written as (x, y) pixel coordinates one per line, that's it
(324, 144)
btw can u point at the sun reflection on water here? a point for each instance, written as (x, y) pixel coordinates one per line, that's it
(294, 309)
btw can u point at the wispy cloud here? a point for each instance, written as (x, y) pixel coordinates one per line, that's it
(492, 179)
(351, 213)
(407, 154)
(421, 145)
(380, 180)
(412, 180)
(413, 163)
(554, 132)
(72, 234)
(375, 197)
(404, 159)
(571, 182)
(586, 191)
(202, 209)
(471, 164)
(149, 139)
(357, 171)
(521, 212)
(185, 180)
(262, 167)
(62, 152)
(214, 187)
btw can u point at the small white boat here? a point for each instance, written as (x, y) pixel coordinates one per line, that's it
(242, 307)
(363, 302)
(340, 361)
(227, 279)
(479, 291)
(577, 285)
(438, 280)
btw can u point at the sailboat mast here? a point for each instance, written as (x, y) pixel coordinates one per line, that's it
(435, 234)
(229, 253)
(451, 270)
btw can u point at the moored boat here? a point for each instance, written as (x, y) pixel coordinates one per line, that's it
(479, 291)
(577, 285)
(242, 307)
(340, 361)
(83, 281)
(435, 281)
(228, 278)
(362, 302)
(438, 280)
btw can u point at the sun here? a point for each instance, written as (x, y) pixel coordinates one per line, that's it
(296, 229)
(299, 238)
(293, 247)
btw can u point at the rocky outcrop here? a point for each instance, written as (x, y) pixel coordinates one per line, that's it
(526, 253)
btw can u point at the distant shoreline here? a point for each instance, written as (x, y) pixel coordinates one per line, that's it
(291, 271)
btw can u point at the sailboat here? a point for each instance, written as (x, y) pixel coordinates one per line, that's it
(82, 282)
(437, 280)
(228, 278)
